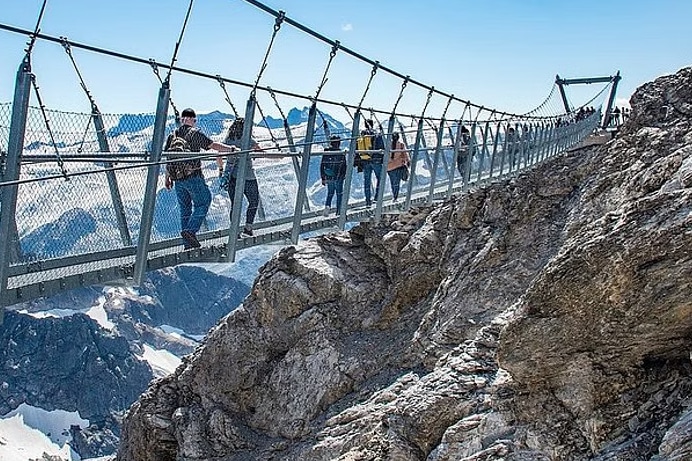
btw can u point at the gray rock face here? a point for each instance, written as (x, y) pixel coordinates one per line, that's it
(545, 317)
(69, 364)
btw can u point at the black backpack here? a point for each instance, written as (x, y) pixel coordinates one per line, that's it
(179, 147)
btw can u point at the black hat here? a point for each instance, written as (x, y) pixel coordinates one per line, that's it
(188, 113)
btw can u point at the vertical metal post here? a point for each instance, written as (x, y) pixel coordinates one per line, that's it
(436, 162)
(414, 160)
(504, 150)
(241, 169)
(304, 170)
(152, 184)
(492, 156)
(561, 86)
(455, 158)
(294, 159)
(118, 207)
(8, 194)
(349, 170)
(469, 157)
(611, 99)
(483, 151)
(383, 169)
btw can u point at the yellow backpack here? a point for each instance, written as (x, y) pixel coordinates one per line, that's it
(364, 143)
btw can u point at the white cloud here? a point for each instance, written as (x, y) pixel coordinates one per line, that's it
(347, 27)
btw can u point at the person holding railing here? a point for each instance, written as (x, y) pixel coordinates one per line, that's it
(369, 158)
(398, 165)
(191, 190)
(333, 173)
(228, 175)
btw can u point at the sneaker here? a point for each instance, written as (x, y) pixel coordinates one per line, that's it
(247, 231)
(326, 211)
(190, 240)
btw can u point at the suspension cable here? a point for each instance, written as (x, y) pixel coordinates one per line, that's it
(177, 44)
(227, 97)
(332, 54)
(277, 26)
(155, 67)
(401, 94)
(367, 87)
(61, 164)
(271, 134)
(34, 35)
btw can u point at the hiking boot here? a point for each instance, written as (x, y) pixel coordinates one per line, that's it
(327, 210)
(190, 239)
(247, 231)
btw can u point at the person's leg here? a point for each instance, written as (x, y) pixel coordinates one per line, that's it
(184, 204)
(252, 193)
(331, 188)
(201, 198)
(367, 181)
(394, 178)
(339, 188)
(377, 169)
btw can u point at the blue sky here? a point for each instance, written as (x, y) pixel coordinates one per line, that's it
(499, 53)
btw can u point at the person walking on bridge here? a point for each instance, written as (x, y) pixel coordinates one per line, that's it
(230, 174)
(397, 167)
(191, 190)
(333, 173)
(370, 147)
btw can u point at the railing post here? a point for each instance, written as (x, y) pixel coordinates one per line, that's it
(455, 159)
(494, 154)
(349, 170)
(152, 184)
(483, 151)
(240, 168)
(118, 207)
(8, 194)
(472, 146)
(294, 159)
(304, 170)
(383, 169)
(436, 162)
(414, 160)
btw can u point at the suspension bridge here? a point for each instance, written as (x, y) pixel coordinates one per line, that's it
(83, 199)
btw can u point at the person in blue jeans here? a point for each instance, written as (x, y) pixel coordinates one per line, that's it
(191, 190)
(371, 161)
(333, 173)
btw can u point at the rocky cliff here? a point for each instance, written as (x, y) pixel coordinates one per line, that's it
(545, 317)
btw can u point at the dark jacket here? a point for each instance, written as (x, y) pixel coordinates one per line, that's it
(333, 166)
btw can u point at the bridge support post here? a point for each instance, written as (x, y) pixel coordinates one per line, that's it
(293, 150)
(241, 168)
(383, 169)
(455, 158)
(8, 194)
(349, 170)
(494, 154)
(304, 170)
(152, 183)
(472, 148)
(611, 100)
(118, 207)
(414, 160)
(436, 162)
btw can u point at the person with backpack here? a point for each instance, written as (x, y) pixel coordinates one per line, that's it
(191, 190)
(398, 165)
(333, 173)
(463, 149)
(230, 174)
(370, 160)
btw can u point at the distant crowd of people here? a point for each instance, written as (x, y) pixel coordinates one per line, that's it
(194, 196)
